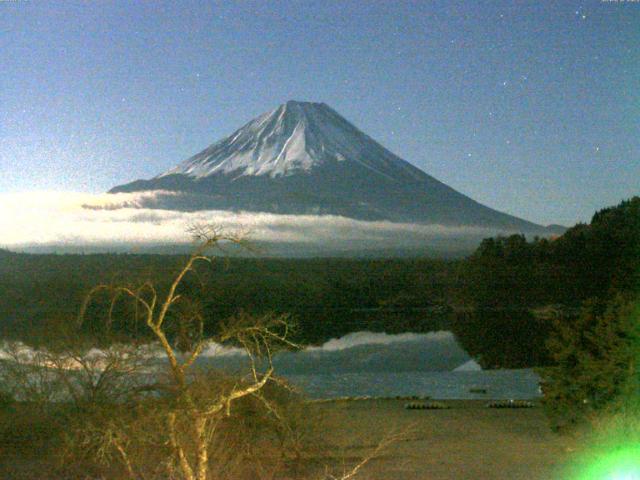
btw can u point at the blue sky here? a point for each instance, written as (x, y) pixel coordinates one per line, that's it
(532, 108)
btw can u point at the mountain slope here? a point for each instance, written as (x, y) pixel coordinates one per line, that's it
(295, 138)
(304, 158)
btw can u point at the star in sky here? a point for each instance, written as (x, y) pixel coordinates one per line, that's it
(235, 60)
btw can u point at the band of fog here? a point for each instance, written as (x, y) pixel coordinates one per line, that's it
(49, 218)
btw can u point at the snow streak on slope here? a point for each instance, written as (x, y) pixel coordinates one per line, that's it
(305, 159)
(294, 138)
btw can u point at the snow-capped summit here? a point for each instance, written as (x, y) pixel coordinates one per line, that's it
(293, 138)
(305, 158)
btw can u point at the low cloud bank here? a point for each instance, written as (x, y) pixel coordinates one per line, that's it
(78, 219)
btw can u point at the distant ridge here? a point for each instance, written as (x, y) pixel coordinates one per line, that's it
(305, 158)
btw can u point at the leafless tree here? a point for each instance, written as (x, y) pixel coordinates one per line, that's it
(197, 409)
(181, 422)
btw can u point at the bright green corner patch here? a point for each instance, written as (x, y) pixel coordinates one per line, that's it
(619, 464)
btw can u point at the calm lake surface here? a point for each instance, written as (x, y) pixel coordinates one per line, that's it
(381, 365)
(499, 384)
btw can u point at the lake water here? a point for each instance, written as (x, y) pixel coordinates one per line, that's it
(499, 384)
(381, 365)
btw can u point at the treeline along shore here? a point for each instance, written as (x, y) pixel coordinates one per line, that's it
(500, 301)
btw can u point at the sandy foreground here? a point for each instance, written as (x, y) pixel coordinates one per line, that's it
(467, 441)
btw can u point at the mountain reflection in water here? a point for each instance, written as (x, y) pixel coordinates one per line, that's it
(382, 365)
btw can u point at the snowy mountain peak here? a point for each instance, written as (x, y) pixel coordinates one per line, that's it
(294, 138)
(305, 158)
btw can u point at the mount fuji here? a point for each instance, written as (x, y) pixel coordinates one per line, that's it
(305, 158)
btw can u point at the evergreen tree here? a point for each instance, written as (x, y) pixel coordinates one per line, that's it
(596, 361)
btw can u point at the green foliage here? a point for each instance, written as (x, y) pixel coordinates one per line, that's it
(500, 273)
(508, 279)
(325, 297)
(596, 354)
(595, 361)
(500, 287)
(604, 257)
(118, 415)
(503, 339)
(595, 260)
(7, 402)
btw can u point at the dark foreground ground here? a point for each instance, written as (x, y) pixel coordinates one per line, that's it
(467, 441)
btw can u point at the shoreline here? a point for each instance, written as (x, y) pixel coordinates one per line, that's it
(415, 398)
(466, 440)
